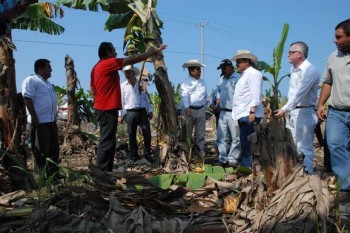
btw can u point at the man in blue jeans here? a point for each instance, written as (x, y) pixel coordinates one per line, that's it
(335, 89)
(228, 129)
(247, 106)
(302, 98)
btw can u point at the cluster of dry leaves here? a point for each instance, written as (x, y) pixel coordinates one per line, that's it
(124, 201)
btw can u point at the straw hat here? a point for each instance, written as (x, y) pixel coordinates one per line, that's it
(192, 63)
(134, 69)
(244, 54)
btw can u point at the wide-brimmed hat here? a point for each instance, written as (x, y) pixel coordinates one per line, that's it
(224, 63)
(244, 54)
(130, 67)
(192, 63)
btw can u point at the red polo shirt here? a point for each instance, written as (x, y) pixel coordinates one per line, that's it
(105, 83)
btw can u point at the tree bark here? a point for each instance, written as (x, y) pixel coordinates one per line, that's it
(167, 108)
(72, 140)
(12, 114)
(73, 117)
(274, 152)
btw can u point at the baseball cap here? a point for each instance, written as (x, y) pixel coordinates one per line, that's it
(224, 63)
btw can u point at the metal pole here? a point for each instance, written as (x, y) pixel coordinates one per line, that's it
(202, 25)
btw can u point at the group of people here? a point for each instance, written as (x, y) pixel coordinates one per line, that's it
(237, 105)
(237, 102)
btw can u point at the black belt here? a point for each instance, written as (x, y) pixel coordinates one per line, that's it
(136, 110)
(226, 110)
(343, 110)
(305, 106)
(196, 107)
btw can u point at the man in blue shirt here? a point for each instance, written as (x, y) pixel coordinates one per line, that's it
(228, 129)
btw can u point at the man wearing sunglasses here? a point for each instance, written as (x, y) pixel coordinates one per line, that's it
(302, 98)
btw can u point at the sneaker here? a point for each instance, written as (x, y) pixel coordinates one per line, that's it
(229, 164)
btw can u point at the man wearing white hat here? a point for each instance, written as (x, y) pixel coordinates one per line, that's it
(194, 98)
(247, 106)
(137, 111)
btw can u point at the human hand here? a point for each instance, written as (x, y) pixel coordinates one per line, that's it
(159, 50)
(251, 117)
(150, 115)
(120, 120)
(279, 113)
(321, 113)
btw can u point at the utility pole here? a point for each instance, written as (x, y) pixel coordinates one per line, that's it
(201, 25)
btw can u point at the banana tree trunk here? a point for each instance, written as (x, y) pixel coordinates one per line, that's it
(72, 140)
(166, 94)
(12, 114)
(73, 118)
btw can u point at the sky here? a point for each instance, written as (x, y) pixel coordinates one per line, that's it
(229, 26)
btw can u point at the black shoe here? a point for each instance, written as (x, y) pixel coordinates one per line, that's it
(149, 157)
(135, 158)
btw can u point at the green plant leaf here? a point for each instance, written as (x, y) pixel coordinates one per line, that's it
(181, 179)
(162, 181)
(244, 170)
(195, 180)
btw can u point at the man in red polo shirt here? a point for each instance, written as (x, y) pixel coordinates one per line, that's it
(105, 87)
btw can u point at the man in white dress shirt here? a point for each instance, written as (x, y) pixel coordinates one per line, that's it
(302, 98)
(247, 106)
(194, 99)
(137, 111)
(41, 101)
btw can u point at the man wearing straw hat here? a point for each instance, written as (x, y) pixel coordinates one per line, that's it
(137, 111)
(247, 106)
(194, 98)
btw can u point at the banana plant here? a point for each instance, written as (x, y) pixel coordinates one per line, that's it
(25, 15)
(275, 68)
(142, 31)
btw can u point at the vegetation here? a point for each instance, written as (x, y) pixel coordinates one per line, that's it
(142, 32)
(26, 15)
(274, 69)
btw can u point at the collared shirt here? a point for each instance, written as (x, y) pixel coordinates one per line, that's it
(248, 94)
(303, 87)
(193, 92)
(132, 98)
(226, 90)
(43, 96)
(337, 73)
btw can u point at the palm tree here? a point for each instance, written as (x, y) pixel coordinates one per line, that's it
(142, 31)
(23, 15)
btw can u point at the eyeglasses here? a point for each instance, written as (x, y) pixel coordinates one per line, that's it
(292, 52)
